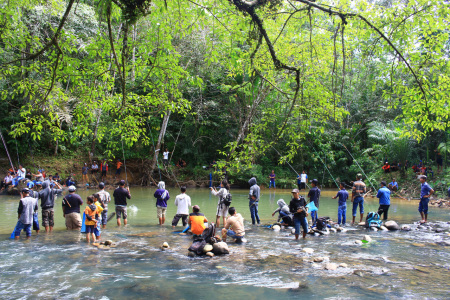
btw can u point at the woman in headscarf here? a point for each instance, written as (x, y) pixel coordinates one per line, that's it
(283, 210)
(161, 195)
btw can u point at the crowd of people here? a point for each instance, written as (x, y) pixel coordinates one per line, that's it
(96, 212)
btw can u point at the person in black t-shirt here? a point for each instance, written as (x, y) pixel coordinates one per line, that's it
(297, 207)
(71, 209)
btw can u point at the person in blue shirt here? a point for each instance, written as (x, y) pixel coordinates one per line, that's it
(342, 203)
(384, 194)
(272, 179)
(393, 186)
(425, 193)
(314, 195)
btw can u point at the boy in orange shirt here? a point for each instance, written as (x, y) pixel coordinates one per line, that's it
(91, 212)
(118, 168)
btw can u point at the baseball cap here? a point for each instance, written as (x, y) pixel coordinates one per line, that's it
(196, 207)
(315, 181)
(25, 190)
(422, 177)
(122, 182)
(295, 191)
(101, 185)
(72, 188)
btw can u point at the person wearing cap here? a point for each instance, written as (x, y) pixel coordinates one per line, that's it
(384, 194)
(71, 209)
(425, 193)
(297, 206)
(121, 194)
(342, 204)
(105, 198)
(253, 197)
(358, 192)
(27, 206)
(197, 221)
(314, 195)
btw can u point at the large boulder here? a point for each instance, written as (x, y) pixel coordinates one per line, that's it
(220, 248)
(331, 266)
(392, 225)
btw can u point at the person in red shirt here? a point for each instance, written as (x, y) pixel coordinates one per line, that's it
(386, 167)
(118, 168)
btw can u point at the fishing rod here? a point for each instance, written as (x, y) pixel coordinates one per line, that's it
(289, 165)
(358, 166)
(324, 165)
(7, 152)
(124, 162)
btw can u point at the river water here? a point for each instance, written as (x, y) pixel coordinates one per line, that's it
(270, 265)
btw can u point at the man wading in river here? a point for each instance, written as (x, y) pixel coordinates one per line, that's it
(120, 200)
(253, 198)
(47, 196)
(425, 193)
(27, 206)
(358, 193)
(105, 198)
(71, 209)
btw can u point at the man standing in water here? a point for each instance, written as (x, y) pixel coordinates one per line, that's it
(105, 198)
(425, 193)
(182, 202)
(27, 206)
(384, 194)
(297, 207)
(272, 180)
(71, 209)
(47, 196)
(358, 193)
(120, 200)
(302, 179)
(253, 197)
(314, 195)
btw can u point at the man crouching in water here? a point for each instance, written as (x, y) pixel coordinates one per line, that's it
(234, 227)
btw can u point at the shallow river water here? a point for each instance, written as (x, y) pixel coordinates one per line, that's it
(270, 265)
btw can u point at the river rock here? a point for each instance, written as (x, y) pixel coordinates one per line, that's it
(293, 231)
(358, 242)
(343, 265)
(392, 225)
(165, 245)
(318, 259)
(439, 230)
(383, 228)
(191, 254)
(108, 242)
(331, 266)
(367, 238)
(359, 273)
(220, 248)
(333, 230)
(362, 224)
(210, 254)
(308, 250)
(207, 248)
(276, 227)
(406, 228)
(373, 228)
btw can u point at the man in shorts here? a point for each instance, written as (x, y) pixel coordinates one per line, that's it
(182, 202)
(105, 198)
(425, 193)
(234, 227)
(302, 179)
(71, 209)
(47, 196)
(121, 194)
(358, 192)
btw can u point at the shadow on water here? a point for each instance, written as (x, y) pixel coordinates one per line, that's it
(271, 265)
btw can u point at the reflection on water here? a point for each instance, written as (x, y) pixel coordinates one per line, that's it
(271, 265)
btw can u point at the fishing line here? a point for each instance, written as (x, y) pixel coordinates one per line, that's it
(124, 162)
(359, 167)
(289, 165)
(7, 153)
(324, 165)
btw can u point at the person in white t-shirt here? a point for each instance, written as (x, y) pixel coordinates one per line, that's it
(302, 179)
(182, 202)
(166, 157)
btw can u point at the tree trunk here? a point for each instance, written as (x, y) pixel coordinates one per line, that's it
(133, 55)
(162, 133)
(57, 141)
(124, 62)
(94, 138)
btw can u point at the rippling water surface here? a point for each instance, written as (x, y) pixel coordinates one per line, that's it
(271, 265)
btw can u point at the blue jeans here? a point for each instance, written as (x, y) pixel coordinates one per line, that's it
(254, 212)
(314, 217)
(233, 234)
(423, 205)
(358, 201)
(272, 183)
(300, 221)
(25, 227)
(342, 211)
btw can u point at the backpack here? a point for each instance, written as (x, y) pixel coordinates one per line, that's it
(209, 233)
(373, 220)
(321, 223)
(227, 199)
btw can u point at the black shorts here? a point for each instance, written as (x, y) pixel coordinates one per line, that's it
(90, 228)
(118, 171)
(103, 173)
(177, 218)
(439, 162)
(302, 186)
